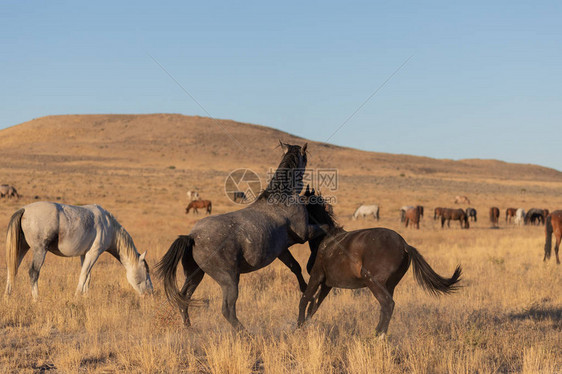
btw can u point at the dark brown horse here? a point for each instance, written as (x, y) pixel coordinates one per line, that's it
(553, 226)
(376, 258)
(510, 214)
(448, 214)
(412, 216)
(494, 216)
(198, 204)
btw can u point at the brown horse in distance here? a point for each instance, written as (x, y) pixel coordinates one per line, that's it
(376, 258)
(412, 216)
(437, 212)
(510, 214)
(198, 204)
(494, 216)
(448, 214)
(553, 226)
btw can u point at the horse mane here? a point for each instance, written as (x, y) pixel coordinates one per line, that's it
(282, 182)
(124, 242)
(318, 214)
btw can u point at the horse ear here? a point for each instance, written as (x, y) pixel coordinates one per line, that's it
(313, 192)
(304, 148)
(307, 189)
(283, 146)
(141, 257)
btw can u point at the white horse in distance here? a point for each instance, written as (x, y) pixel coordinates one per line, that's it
(69, 231)
(193, 195)
(367, 210)
(520, 217)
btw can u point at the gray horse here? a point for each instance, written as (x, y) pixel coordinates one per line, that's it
(226, 245)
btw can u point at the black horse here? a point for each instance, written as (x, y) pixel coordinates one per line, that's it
(471, 213)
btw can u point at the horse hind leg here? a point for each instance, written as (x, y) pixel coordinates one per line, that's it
(39, 254)
(191, 282)
(383, 297)
(229, 285)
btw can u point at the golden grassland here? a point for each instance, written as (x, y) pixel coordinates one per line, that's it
(507, 317)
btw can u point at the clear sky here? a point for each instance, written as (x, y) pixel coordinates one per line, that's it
(484, 79)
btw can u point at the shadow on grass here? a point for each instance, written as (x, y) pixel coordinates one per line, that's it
(538, 314)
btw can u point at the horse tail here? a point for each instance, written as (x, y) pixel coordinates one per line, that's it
(548, 241)
(428, 278)
(16, 248)
(181, 249)
(210, 207)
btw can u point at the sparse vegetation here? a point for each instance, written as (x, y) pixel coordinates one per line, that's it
(507, 317)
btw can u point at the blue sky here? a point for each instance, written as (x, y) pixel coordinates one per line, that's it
(484, 79)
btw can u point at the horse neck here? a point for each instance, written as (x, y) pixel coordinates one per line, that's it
(125, 247)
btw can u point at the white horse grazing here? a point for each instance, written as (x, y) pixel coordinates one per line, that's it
(367, 210)
(193, 195)
(69, 231)
(520, 217)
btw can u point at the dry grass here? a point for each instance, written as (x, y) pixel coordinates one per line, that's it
(506, 318)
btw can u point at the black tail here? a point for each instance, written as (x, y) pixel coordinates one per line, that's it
(428, 278)
(166, 268)
(548, 241)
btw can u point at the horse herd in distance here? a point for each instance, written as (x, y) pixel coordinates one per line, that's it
(411, 215)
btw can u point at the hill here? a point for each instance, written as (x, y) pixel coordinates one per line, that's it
(122, 158)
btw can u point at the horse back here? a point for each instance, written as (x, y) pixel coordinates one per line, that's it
(65, 229)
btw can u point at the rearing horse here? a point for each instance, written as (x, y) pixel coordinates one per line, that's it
(227, 245)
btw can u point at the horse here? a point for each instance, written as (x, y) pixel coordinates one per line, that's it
(535, 216)
(437, 213)
(471, 213)
(462, 200)
(456, 215)
(510, 214)
(227, 245)
(238, 195)
(366, 210)
(376, 258)
(69, 231)
(553, 225)
(8, 191)
(405, 208)
(494, 216)
(520, 216)
(193, 195)
(197, 204)
(413, 215)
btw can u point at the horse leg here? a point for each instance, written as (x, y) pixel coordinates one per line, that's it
(87, 284)
(313, 308)
(287, 258)
(384, 298)
(89, 260)
(229, 284)
(308, 296)
(557, 247)
(192, 280)
(39, 254)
